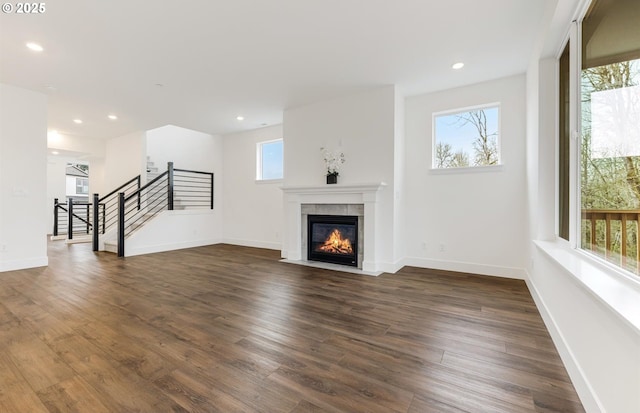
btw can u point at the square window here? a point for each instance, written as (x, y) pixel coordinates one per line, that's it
(466, 137)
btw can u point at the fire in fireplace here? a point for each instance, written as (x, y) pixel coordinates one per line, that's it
(333, 239)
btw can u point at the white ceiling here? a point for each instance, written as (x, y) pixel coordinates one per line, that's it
(218, 59)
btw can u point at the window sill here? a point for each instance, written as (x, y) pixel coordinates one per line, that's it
(614, 289)
(466, 170)
(268, 181)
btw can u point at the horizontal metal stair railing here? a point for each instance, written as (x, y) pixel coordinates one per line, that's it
(172, 189)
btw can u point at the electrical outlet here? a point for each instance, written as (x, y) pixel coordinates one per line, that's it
(424, 245)
(442, 248)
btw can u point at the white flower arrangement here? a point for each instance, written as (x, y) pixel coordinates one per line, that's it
(332, 160)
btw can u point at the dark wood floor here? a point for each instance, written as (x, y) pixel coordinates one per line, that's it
(231, 329)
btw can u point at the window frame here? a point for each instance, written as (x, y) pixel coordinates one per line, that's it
(574, 37)
(474, 168)
(80, 185)
(259, 161)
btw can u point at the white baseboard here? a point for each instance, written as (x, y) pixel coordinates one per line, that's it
(468, 267)
(24, 264)
(333, 267)
(578, 378)
(150, 249)
(252, 243)
(79, 240)
(392, 267)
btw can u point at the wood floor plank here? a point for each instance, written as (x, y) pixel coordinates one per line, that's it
(197, 396)
(232, 329)
(307, 407)
(39, 365)
(427, 405)
(547, 385)
(424, 378)
(71, 396)
(117, 388)
(15, 393)
(131, 354)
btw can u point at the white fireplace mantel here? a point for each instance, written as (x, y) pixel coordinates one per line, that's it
(370, 188)
(296, 196)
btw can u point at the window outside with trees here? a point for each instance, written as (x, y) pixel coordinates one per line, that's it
(269, 165)
(610, 151)
(610, 133)
(467, 138)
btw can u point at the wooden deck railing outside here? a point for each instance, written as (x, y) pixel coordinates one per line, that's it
(628, 220)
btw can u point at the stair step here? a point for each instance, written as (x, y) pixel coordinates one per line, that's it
(78, 239)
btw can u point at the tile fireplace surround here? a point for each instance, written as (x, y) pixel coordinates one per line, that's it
(356, 210)
(360, 200)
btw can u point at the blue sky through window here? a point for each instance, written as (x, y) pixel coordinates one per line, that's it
(272, 160)
(453, 130)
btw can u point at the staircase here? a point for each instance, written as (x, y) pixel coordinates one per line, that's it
(152, 170)
(109, 220)
(164, 191)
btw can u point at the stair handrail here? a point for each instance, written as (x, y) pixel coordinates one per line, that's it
(123, 199)
(147, 185)
(56, 224)
(72, 214)
(101, 203)
(135, 178)
(210, 175)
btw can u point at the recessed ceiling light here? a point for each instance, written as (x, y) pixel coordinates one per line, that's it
(240, 117)
(78, 121)
(112, 117)
(457, 66)
(55, 153)
(35, 47)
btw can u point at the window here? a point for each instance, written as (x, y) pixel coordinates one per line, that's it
(564, 143)
(269, 165)
(82, 186)
(467, 138)
(610, 129)
(606, 75)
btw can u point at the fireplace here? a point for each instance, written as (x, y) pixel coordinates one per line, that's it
(352, 200)
(333, 239)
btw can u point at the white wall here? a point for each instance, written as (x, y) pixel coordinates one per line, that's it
(187, 149)
(478, 217)
(172, 230)
(72, 149)
(125, 158)
(399, 176)
(363, 127)
(97, 184)
(56, 185)
(23, 168)
(82, 147)
(600, 350)
(252, 209)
